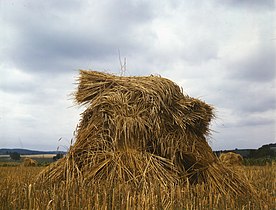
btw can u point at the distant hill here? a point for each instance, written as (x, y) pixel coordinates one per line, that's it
(267, 150)
(5, 151)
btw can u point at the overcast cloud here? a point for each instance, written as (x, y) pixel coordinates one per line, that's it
(222, 52)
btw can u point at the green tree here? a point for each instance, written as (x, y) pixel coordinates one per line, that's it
(58, 156)
(15, 156)
(262, 152)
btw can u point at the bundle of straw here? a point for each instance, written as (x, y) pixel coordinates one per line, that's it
(231, 158)
(29, 162)
(141, 130)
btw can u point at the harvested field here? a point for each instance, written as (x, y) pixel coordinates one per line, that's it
(18, 192)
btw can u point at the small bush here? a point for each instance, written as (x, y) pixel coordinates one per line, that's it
(58, 156)
(15, 156)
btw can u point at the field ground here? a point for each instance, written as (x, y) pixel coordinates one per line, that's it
(17, 191)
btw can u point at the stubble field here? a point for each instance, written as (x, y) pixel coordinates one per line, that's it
(18, 191)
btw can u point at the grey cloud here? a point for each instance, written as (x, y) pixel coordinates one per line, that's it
(49, 51)
(258, 104)
(21, 87)
(258, 67)
(55, 38)
(45, 41)
(16, 86)
(245, 137)
(255, 5)
(200, 52)
(15, 81)
(249, 120)
(245, 97)
(254, 121)
(126, 12)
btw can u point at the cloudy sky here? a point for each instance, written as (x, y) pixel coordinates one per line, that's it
(222, 52)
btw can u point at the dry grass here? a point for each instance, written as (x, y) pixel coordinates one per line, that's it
(140, 132)
(27, 162)
(18, 192)
(231, 158)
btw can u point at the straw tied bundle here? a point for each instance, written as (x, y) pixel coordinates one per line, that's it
(231, 159)
(141, 131)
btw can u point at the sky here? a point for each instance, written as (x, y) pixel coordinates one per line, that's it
(222, 52)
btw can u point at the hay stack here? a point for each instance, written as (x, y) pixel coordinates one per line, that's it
(27, 162)
(231, 159)
(141, 130)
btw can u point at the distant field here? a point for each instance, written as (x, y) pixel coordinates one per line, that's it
(4, 156)
(39, 156)
(32, 156)
(6, 159)
(42, 159)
